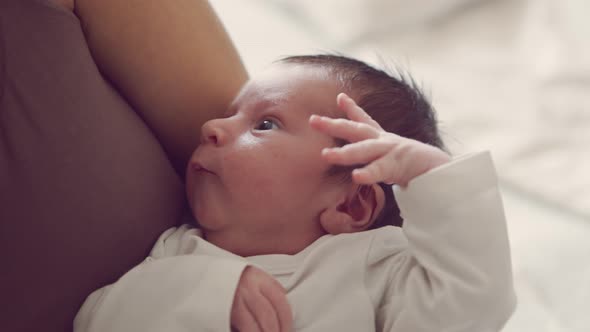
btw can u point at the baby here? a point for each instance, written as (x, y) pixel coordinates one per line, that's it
(292, 194)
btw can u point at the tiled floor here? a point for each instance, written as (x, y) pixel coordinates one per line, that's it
(487, 98)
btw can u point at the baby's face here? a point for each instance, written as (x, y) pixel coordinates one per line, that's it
(258, 172)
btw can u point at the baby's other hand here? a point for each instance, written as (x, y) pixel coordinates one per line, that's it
(387, 157)
(260, 304)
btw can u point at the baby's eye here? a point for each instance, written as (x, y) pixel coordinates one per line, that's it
(266, 124)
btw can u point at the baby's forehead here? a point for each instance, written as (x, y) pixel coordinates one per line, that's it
(305, 90)
(296, 106)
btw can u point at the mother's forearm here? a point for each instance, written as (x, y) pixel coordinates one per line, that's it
(172, 60)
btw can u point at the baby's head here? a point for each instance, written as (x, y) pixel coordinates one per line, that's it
(257, 183)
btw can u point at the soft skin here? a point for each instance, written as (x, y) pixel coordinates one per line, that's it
(257, 184)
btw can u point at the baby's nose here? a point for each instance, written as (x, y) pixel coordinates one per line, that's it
(212, 132)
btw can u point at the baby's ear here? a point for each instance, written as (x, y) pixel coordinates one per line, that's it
(355, 212)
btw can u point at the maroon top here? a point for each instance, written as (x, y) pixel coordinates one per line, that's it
(85, 188)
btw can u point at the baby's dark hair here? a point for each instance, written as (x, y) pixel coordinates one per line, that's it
(392, 99)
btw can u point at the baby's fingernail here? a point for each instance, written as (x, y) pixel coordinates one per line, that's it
(315, 117)
(358, 172)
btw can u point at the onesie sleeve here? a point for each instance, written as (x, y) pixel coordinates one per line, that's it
(167, 292)
(449, 268)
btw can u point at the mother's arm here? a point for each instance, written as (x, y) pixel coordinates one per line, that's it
(85, 188)
(172, 60)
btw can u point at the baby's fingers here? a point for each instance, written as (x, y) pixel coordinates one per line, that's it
(242, 317)
(343, 128)
(276, 295)
(381, 170)
(353, 111)
(362, 152)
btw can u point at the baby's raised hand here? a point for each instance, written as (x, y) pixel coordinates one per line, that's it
(387, 157)
(260, 304)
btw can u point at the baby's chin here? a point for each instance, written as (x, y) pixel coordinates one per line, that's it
(206, 219)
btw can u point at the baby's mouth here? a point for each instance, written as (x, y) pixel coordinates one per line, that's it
(199, 168)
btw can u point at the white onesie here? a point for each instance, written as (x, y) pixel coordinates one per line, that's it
(447, 269)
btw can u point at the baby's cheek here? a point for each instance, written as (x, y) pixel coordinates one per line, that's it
(189, 186)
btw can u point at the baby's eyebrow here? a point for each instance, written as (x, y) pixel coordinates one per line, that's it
(255, 107)
(264, 104)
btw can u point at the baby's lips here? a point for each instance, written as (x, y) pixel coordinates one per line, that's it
(198, 167)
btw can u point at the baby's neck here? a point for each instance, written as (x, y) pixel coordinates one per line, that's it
(255, 244)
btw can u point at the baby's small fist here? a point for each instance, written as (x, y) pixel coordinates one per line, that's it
(260, 304)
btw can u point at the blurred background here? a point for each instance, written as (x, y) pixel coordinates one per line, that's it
(510, 76)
